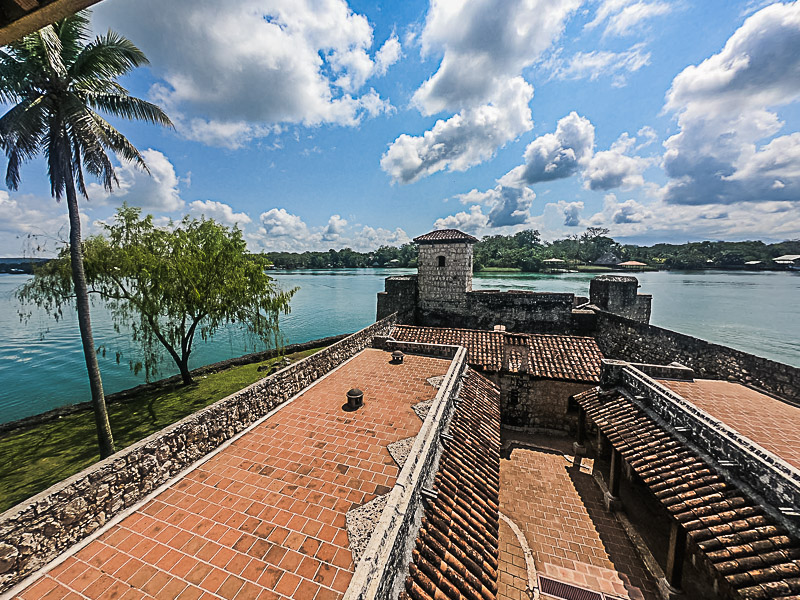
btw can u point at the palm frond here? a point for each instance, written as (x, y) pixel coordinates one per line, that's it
(129, 107)
(87, 141)
(15, 78)
(73, 31)
(89, 85)
(108, 56)
(117, 142)
(50, 46)
(21, 131)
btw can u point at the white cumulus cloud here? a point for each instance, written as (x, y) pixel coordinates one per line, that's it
(614, 168)
(254, 64)
(471, 222)
(557, 155)
(726, 150)
(484, 43)
(219, 211)
(464, 140)
(281, 230)
(157, 191)
(484, 46)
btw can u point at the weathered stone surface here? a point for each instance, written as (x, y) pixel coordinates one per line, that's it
(8, 557)
(625, 339)
(68, 512)
(399, 450)
(537, 404)
(361, 523)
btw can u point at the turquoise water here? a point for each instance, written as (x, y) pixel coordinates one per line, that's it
(41, 365)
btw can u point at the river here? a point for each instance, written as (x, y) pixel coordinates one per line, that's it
(41, 364)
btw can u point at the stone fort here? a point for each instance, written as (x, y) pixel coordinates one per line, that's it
(479, 445)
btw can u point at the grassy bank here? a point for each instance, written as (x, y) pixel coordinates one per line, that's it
(33, 459)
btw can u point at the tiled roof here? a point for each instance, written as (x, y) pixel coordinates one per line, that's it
(457, 550)
(749, 554)
(566, 357)
(445, 235)
(484, 348)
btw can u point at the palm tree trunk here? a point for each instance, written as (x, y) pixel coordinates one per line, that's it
(104, 438)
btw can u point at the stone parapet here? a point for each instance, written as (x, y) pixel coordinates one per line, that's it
(38, 529)
(619, 294)
(629, 340)
(768, 475)
(518, 311)
(400, 296)
(380, 573)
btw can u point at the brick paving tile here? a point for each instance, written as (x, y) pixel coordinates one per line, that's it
(264, 518)
(572, 537)
(773, 424)
(512, 578)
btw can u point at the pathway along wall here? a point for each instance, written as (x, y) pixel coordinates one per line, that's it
(37, 530)
(625, 339)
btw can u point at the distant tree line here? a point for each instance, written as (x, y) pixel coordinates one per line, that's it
(405, 256)
(527, 251)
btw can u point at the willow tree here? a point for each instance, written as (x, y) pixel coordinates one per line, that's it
(58, 80)
(171, 285)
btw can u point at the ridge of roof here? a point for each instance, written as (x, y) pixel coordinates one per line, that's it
(445, 235)
(456, 553)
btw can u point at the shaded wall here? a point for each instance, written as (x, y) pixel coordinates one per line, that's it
(533, 404)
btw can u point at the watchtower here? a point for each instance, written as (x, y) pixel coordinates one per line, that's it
(444, 268)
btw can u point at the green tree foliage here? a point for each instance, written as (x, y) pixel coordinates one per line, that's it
(57, 81)
(170, 285)
(526, 250)
(346, 258)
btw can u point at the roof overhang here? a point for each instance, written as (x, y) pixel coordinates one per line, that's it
(18, 18)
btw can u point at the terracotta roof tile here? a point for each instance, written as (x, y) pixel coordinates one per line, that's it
(456, 553)
(445, 235)
(568, 357)
(484, 348)
(741, 545)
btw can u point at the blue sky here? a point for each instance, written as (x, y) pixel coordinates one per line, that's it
(325, 124)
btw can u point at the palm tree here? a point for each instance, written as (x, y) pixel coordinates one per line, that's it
(57, 80)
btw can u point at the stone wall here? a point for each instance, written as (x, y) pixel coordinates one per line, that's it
(444, 286)
(537, 404)
(384, 565)
(40, 528)
(619, 294)
(400, 297)
(625, 339)
(521, 311)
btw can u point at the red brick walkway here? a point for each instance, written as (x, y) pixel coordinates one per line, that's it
(559, 508)
(264, 518)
